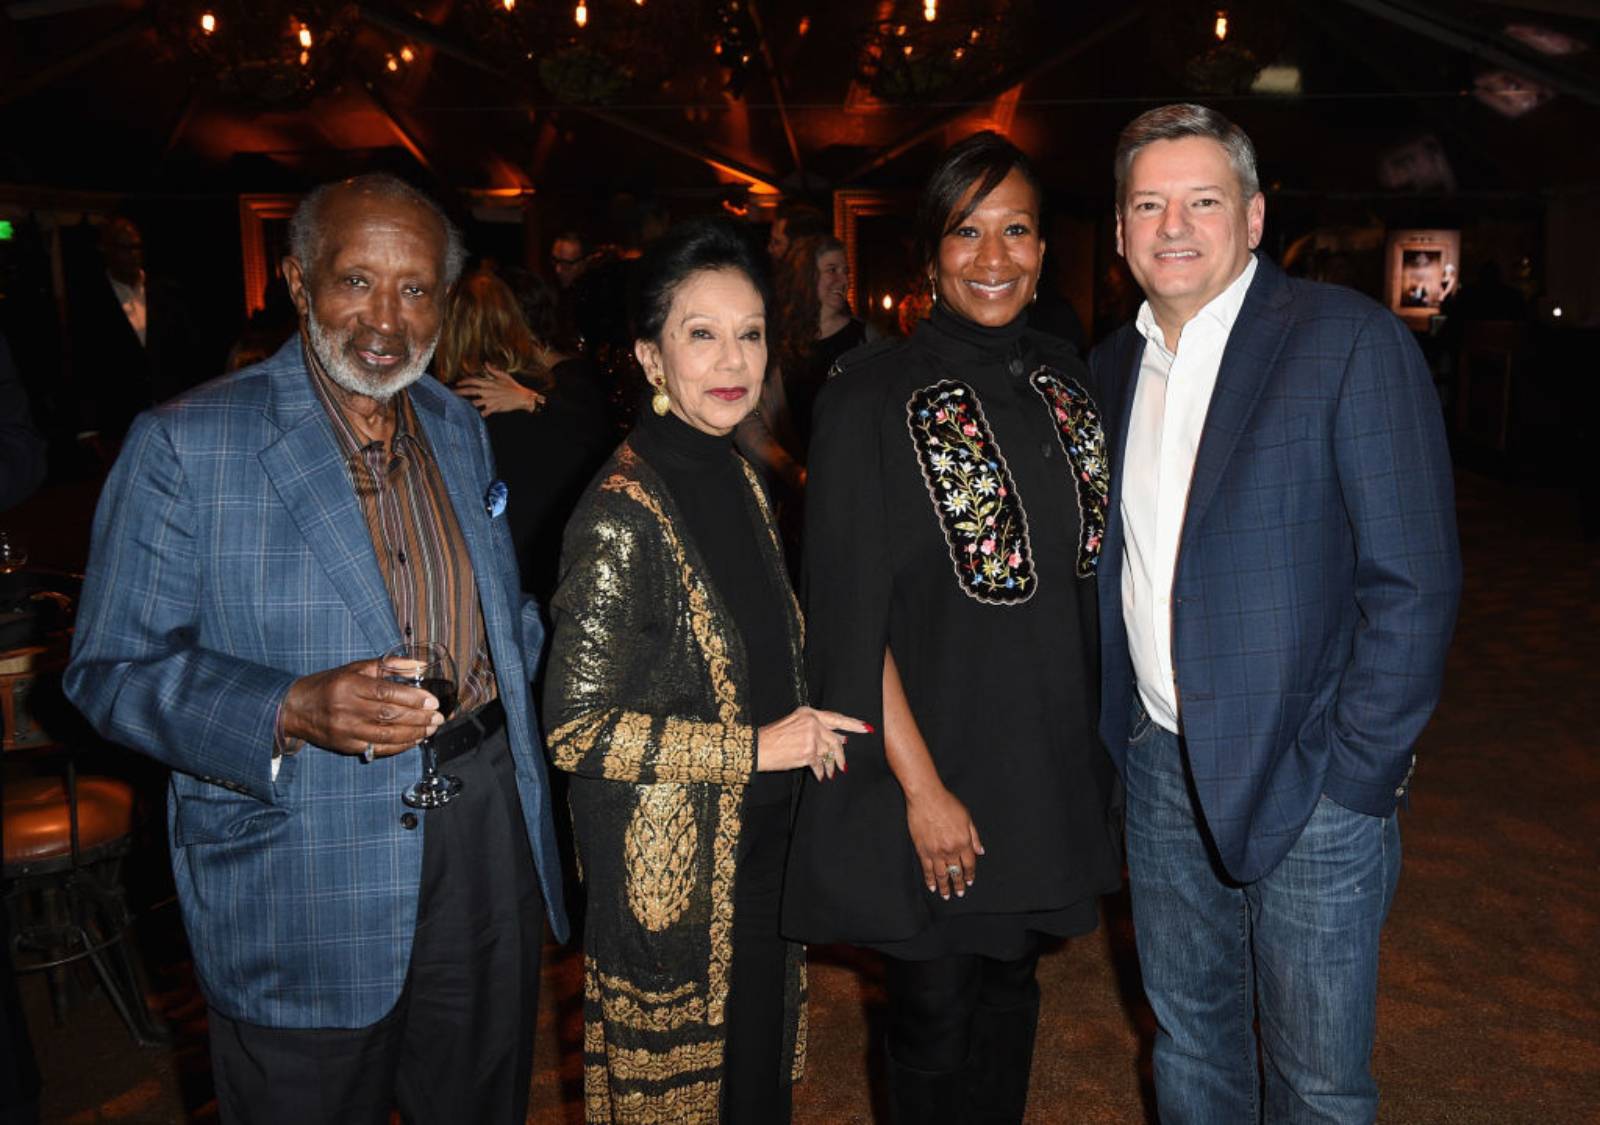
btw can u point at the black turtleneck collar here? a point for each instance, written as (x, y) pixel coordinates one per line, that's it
(949, 334)
(668, 440)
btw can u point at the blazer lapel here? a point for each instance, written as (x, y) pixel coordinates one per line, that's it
(1247, 363)
(314, 485)
(1127, 354)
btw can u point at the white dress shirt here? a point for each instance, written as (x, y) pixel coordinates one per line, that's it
(1169, 413)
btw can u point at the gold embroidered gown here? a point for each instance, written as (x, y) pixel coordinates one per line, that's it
(647, 700)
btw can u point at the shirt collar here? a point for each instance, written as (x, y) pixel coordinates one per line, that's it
(1222, 310)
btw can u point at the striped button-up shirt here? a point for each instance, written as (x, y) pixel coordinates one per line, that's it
(421, 551)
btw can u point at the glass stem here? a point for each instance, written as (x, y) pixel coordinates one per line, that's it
(430, 759)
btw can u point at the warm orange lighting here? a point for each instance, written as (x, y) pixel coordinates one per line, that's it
(906, 50)
(510, 5)
(305, 58)
(888, 301)
(975, 36)
(930, 10)
(805, 24)
(580, 14)
(208, 22)
(407, 54)
(958, 53)
(391, 63)
(305, 37)
(900, 31)
(1221, 28)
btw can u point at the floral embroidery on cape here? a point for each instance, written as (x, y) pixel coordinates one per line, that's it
(1083, 440)
(973, 494)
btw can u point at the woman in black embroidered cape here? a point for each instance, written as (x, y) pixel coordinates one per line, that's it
(954, 512)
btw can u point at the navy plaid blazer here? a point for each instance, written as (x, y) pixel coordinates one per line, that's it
(230, 557)
(1318, 567)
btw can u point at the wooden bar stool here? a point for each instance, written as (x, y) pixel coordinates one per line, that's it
(65, 838)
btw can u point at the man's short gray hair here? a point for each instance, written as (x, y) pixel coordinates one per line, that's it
(1174, 122)
(306, 232)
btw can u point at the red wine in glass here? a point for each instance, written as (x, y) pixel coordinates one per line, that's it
(427, 665)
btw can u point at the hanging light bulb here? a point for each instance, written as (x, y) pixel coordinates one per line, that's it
(305, 37)
(888, 301)
(1220, 29)
(580, 14)
(391, 64)
(305, 58)
(208, 22)
(930, 10)
(509, 5)
(407, 54)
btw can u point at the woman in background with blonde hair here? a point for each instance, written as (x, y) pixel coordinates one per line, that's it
(548, 437)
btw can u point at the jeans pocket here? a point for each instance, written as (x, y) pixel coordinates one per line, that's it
(1140, 724)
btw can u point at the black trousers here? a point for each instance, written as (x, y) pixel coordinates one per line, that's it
(458, 1044)
(933, 1004)
(756, 1085)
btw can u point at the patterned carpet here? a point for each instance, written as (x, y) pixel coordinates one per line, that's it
(1490, 1009)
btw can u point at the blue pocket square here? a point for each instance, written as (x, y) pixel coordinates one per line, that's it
(494, 500)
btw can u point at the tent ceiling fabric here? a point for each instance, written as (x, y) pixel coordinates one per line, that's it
(830, 93)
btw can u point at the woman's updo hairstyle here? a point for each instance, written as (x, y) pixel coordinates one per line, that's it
(984, 159)
(710, 243)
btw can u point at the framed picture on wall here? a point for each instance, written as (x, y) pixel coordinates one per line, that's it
(263, 240)
(1424, 269)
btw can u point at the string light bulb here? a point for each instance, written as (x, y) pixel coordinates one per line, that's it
(305, 37)
(305, 58)
(208, 22)
(805, 25)
(888, 301)
(1220, 28)
(580, 14)
(930, 10)
(509, 5)
(391, 64)
(407, 54)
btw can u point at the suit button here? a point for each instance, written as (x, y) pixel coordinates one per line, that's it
(408, 820)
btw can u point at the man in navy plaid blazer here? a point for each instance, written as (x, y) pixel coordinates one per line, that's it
(260, 542)
(1278, 586)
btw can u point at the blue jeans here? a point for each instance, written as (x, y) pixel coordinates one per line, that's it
(1296, 949)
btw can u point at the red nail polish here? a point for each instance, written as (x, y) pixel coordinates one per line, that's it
(844, 768)
(870, 728)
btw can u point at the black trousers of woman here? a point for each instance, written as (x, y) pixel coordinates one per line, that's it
(961, 1038)
(756, 1086)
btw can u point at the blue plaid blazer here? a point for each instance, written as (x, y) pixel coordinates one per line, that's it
(230, 557)
(1318, 567)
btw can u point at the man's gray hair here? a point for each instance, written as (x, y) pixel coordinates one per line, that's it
(306, 231)
(1174, 122)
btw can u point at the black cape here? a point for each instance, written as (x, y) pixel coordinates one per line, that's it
(953, 511)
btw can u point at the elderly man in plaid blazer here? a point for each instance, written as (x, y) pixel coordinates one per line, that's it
(260, 542)
(1278, 587)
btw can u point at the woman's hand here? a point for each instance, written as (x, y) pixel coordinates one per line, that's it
(946, 841)
(806, 738)
(493, 391)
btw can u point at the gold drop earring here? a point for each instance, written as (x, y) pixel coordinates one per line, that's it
(660, 402)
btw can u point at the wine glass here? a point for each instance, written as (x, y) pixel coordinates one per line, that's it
(426, 665)
(13, 552)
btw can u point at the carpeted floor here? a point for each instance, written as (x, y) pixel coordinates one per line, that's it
(1490, 1009)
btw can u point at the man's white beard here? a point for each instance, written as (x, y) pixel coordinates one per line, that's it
(330, 350)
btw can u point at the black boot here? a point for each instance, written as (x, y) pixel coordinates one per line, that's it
(927, 1097)
(1002, 1060)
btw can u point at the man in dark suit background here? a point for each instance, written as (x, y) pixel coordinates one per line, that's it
(260, 542)
(1278, 588)
(133, 343)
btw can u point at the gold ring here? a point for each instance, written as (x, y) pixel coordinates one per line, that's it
(827, 758)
